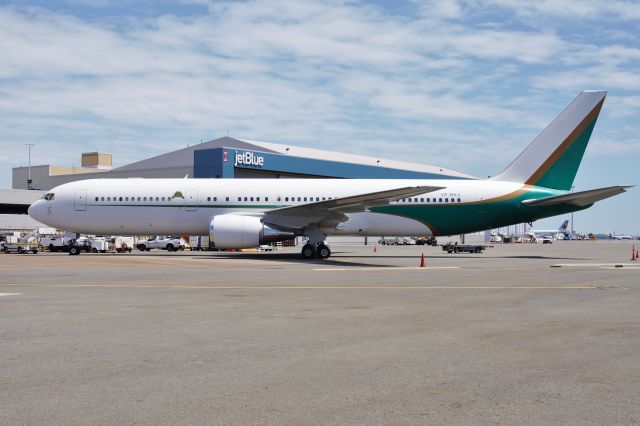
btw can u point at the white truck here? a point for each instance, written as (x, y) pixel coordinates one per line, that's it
(99, 245)
(55, 243)
(161, 242)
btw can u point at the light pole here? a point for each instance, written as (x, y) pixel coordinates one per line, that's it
(29, 145)
(571, 235)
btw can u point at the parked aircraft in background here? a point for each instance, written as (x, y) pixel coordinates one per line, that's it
(243, 213)
(621, 237)
(561, 233)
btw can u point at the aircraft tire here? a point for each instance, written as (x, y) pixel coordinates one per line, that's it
(323, 251)
(308, 251)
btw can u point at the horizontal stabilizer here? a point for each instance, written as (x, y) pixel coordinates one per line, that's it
(581, 199)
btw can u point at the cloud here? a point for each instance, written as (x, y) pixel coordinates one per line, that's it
(571, 9)
(429, 85)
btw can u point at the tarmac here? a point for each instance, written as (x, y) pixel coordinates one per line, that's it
(520, 334)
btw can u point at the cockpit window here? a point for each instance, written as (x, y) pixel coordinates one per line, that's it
(48, 196)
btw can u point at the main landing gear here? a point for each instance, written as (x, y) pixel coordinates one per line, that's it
(320, 250)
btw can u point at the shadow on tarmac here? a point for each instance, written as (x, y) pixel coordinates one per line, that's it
(342, 256)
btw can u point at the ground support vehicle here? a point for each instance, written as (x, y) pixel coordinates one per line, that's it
(161, 242)
(463, 248)
(123, 244)
(199, 242)
(547, 239)
(429, 241)
(55, 243)
(19, 248)
(99, 245)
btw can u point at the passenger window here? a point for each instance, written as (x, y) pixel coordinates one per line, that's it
(208, 198)
(251, 199)
(279, 199)
(138, 198)
(101, 198)
(422, 200)
(227, 198)
(266, 198)
(157, 198)
(108, 198)
(257, 198)
(305, 198)
(299, 199)
(440, 199)
(324, 198)
(446, 200)
(286, 198)
(144, 199)
(239, 198)
(215, 198)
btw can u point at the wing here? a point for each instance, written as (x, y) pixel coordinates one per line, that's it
(332, 212)
(582, 198)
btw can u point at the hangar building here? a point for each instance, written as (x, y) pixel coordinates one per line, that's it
(234, 158)
(220, 158)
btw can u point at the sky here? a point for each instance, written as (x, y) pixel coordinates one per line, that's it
(464, 85)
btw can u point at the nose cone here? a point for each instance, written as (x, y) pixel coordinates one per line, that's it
(37, 210)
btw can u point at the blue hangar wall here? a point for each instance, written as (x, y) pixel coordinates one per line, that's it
(229, 162)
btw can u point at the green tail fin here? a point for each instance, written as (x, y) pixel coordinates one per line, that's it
(553, 158)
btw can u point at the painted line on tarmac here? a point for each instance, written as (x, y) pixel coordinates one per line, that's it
(620, 267)
(10, 294)
(385, 268)
(330, 287)
(579, 265)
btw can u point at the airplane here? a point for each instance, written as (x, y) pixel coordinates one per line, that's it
(562, 229)
(621, 237)
(244, 213)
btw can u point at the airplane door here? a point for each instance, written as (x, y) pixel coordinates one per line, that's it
(80, 202)
(191, 200)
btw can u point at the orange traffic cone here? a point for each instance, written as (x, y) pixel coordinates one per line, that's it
(634, 253)
(375, 248)
(422, 261)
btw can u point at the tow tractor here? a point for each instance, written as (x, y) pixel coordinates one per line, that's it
(463, 248)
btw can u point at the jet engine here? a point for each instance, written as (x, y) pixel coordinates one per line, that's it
(237, 231)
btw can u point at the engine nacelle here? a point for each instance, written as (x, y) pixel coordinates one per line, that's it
(237, 231)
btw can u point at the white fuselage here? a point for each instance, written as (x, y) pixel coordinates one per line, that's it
(186, 206)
